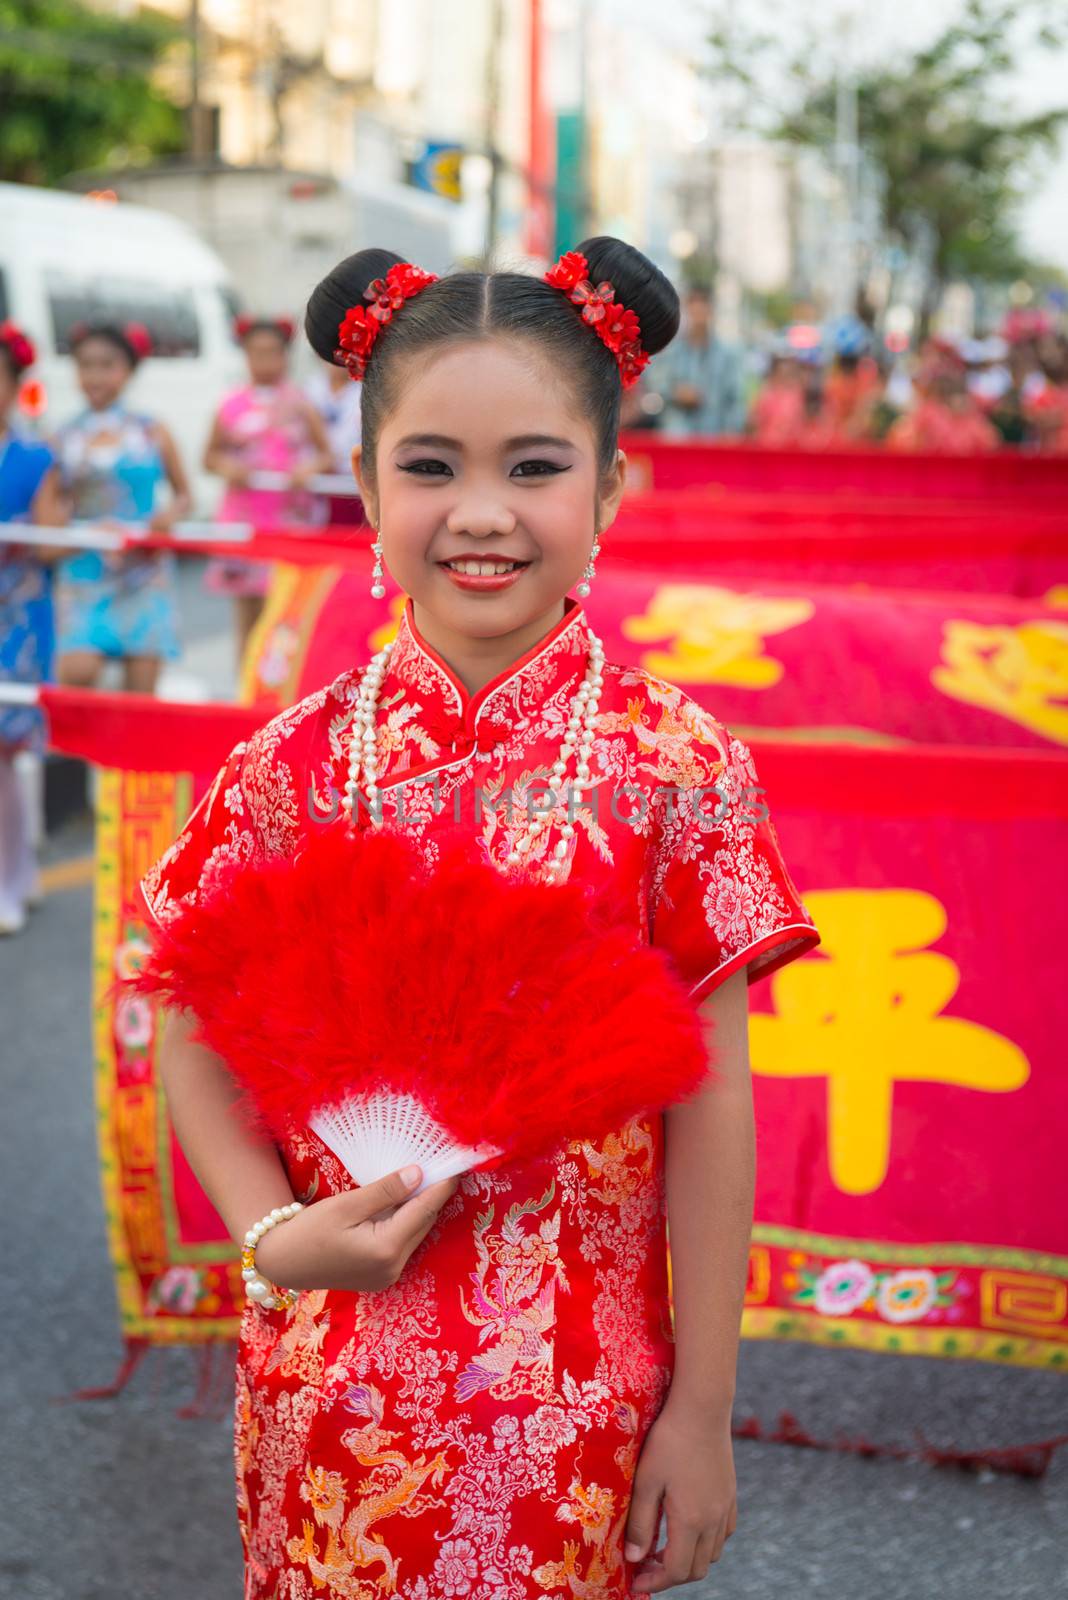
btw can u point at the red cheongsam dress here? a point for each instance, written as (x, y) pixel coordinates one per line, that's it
(471, 1433)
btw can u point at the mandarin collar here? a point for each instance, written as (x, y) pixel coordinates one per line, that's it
(517, 693)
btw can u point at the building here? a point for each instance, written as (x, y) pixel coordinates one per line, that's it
(537, 108)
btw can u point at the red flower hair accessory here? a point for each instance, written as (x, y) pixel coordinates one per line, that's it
(134, 335)
(139, 339)
(617, 327)
(361, 326)
(18, 347)
(245, 324)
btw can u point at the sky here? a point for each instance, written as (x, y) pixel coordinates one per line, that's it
(1045, 83)
(1040, 82)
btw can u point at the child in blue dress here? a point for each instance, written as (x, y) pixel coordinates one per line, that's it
(111, 464)
(25, 630)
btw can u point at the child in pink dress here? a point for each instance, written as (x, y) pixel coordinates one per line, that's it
(777, 415)
(269, 425)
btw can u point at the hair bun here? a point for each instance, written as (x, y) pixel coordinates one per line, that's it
(339, 291)
(638, 285)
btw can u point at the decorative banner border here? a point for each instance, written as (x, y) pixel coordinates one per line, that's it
(171, 1288)
(178, 1279)
(1008, 1306)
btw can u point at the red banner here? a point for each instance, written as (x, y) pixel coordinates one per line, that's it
(177, 1275)
(1018, 555)
(796, 659)
(1008, 475)
(911, 1146)
(142, 734)
(908, 1073)
(893, 544)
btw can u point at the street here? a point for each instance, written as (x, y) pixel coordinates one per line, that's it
(699, 374)
(123, 1500)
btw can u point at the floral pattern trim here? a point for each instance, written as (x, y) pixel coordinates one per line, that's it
(903, 1295)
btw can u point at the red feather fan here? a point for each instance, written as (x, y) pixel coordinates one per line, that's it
(412, 991)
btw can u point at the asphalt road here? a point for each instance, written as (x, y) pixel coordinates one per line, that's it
(123, 1500)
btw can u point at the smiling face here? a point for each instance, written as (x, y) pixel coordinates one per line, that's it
(486, 492)
(103, 371)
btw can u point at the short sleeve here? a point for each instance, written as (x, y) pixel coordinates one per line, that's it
(722, 897)
(219, 829)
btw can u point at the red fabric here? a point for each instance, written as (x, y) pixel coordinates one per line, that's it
(763, 654)
(115, 730)
(893, 543)
(493, 725)
(878, 837)
(852, 662)
(868, 564)
(302, 1027)
(910, 1086)
(705, 511)
(929, 874)
(922, 781)
(143, 734)
(322, 547)
(739, 464)
(507, 1381)
(1003, 556)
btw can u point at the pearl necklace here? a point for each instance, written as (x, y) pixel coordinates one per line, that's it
(579, 736)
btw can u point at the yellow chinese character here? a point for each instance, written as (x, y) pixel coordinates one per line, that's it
(864, 1014)
(715, 635)
(1020, 672)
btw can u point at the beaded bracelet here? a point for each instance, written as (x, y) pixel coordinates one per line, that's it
(267, 1295)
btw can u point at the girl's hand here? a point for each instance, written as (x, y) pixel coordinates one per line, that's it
(686, 1463)
(359, 1240)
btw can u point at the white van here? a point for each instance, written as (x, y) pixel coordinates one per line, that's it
(66, 258)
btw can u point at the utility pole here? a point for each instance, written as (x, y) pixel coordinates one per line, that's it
(539, 151)
(848, 163)
(196, 116)
(585, 155)
(493, 97)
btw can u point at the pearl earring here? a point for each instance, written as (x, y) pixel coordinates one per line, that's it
(589, 574)
(378, 588)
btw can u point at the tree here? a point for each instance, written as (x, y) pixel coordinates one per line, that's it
(76, 89)
(950, 155)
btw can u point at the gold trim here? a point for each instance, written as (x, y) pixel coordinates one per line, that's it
(766, 1322)
(107, 894)
(963, 1255)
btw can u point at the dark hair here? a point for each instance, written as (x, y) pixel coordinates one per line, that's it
(282, 328)
(131, 341)
(477, 305)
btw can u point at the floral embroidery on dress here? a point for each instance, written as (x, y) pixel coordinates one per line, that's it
(472, 1431)
(513, 1303)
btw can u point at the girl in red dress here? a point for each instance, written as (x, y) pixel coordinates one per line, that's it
(946, 419)
(477, 1390)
